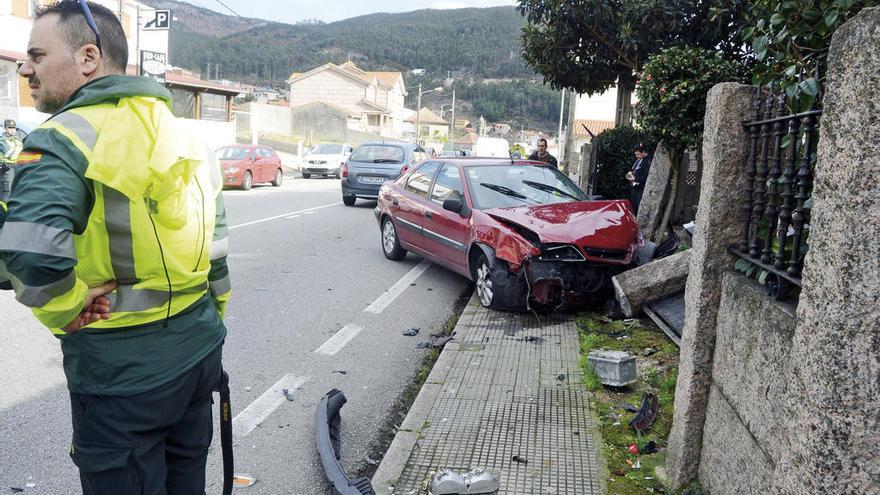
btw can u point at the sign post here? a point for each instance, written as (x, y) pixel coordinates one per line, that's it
(153, 65)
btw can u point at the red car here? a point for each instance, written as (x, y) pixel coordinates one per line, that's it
(521, 230)
(245, 165)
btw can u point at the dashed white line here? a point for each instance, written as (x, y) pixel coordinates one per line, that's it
(267, 219)
(260, 409)
(335, 343)
(397, 289)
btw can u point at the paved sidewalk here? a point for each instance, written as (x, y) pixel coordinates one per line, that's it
(507, 386)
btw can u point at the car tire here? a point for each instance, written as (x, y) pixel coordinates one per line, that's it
(390, 243)
(247, 182)
(307, 175)
(497, 288)
(349, 200)
(279, 178)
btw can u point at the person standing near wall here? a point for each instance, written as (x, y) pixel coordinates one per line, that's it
(115, 236)
(10, 147)
(541, 154)
(638, 174)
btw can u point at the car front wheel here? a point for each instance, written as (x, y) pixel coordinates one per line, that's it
(483, 279)
(390, 244)
(497, 288)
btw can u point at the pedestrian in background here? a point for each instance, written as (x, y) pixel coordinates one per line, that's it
(115, 236)
(541, 154)
(10, 147)
(638, 174)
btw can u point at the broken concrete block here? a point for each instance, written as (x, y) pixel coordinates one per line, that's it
(654, 196)
(615, 368)
(651, 281)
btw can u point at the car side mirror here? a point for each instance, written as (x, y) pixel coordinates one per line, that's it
(453, 204)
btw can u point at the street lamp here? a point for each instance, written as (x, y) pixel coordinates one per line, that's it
(419, 111)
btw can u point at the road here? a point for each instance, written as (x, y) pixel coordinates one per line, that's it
(315, 306)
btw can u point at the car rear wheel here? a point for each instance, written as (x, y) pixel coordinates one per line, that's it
(279, 176)
(390, 245)
(349, 200)
(247, 181)
(306, 175)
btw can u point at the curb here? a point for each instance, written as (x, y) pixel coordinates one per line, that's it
(398, 453)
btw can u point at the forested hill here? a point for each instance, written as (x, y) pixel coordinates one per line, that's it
(483, 42)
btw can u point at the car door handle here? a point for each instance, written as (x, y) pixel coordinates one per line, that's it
(394, 201)
(428, 214)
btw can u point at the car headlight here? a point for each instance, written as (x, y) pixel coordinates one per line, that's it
(231, 170)
(560, 252)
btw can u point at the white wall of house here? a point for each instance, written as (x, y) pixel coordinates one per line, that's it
(265, 118)
(597, 107)
(328, 87)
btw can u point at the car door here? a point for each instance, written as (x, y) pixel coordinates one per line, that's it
(265, 160)
(445, 232)
(409, 205)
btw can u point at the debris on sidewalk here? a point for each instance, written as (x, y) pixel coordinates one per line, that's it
(435, 341)
(341, 372)
(288, 394)
(633, 449)
(626, 406)
(476, 481)
(561, 377)
(520, 459)
(412, 332)
(647, 412)
(615, 368)
(650, 448)
(531, 338)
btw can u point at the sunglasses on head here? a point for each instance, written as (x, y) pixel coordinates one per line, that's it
(90, 20)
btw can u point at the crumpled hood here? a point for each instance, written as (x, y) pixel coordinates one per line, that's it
(596, 224)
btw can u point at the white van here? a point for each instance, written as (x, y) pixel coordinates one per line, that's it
(494, 147)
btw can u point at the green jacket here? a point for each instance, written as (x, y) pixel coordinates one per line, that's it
(10, 147)
(113, 188)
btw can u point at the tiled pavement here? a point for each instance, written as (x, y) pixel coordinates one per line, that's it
(508, 386)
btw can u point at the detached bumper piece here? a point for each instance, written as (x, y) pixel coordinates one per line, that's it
(558, 284)
(327, 437)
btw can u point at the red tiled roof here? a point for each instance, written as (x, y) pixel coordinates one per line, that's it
(595, 126)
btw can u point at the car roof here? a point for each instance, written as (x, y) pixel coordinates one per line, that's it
(475, 161)
(385, 143)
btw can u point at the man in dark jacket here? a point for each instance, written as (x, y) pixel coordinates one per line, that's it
(541, 154)
(638, 175)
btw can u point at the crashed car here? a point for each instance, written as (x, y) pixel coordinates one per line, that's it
(521, 230)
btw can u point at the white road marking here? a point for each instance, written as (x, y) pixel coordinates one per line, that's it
(335, 343)
(397, 289)
(260, 409)
(284, 215)
(311, 212)
(291, 217)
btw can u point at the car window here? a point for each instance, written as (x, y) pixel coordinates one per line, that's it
(232, 153)
(378, 153)
(263, 153)
(447, 185)
(420, 179)
(516, 185)
(327, 149)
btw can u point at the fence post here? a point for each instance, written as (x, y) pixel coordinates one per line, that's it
(833, 388)
(717, 228)
(584, 165)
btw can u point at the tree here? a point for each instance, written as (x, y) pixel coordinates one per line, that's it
(591, 45)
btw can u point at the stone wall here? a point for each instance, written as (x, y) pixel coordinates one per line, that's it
(770, 400)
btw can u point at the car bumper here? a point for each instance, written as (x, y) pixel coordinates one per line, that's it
(559, 284)
(232, 180)
(315, 170)
(364, 191)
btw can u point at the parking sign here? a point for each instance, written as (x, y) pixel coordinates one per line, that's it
(157, 20)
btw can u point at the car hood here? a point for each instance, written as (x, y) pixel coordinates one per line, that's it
(597, 224)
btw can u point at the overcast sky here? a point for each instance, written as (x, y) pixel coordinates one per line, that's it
(292, 11)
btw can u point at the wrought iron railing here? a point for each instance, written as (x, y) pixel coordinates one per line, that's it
(776, 208)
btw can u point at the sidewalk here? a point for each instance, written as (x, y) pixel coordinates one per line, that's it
(506, 386)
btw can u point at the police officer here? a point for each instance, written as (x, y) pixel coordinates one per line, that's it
(10, 147)
(115, 236)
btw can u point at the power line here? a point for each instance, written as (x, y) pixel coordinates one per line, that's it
(228, 8)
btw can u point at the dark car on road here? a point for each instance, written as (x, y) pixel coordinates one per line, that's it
(371, 164)
(522, 230)
(245, 165)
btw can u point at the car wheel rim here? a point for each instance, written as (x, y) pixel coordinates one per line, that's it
(247, 181)
(388, 237)
(484, 285)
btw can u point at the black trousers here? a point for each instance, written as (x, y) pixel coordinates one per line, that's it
(154, 443)
(635, 197)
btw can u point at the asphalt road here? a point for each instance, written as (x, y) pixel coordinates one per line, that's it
(315, 306)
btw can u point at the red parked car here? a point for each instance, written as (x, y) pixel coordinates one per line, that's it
(245, 165)
(521, 230)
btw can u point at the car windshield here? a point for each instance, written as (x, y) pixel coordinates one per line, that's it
(232, 153)
(378, 154)
(327, 149)
(492, 186)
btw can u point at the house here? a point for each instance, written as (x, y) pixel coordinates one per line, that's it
(584, 130)
(433, 127)
(501, 129)
(374, 99)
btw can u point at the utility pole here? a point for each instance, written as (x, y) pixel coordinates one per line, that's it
(419, 116)
(452, 134)
(559, 136)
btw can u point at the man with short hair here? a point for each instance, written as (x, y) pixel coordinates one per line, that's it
(541, 154)
(115, 237)
(10, 147)
(638, 175)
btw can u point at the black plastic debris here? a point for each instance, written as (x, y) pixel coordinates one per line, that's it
(520, 459)
(341, 372)
(531, 338)
(629, 407)
(412, 332)
(649, 448)
(435, 341)
(647, 413)
(561, 377)
(327, 437)
(288, 394)
(16, 489)
(668, 246)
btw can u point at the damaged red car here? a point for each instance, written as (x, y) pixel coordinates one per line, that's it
(521, 230)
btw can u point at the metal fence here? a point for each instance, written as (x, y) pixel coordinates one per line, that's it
(776, 208)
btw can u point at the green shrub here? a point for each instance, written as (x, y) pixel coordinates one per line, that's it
(614, 158)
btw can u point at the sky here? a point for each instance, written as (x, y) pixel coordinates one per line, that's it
(292, 11)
